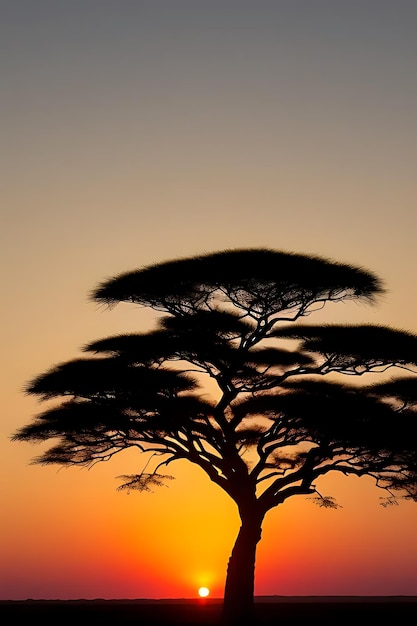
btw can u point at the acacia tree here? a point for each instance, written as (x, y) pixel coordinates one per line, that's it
(282, 416)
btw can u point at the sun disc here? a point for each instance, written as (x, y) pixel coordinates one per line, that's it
(203, 592)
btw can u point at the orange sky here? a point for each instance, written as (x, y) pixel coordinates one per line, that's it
(136, 132)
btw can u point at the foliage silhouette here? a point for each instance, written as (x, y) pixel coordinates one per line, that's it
(283, 415)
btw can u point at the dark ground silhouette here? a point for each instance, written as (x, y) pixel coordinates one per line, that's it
(268, 611)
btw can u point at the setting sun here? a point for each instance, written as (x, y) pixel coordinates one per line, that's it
(203, 592)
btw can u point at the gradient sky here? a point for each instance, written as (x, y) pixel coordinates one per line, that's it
(140, 131)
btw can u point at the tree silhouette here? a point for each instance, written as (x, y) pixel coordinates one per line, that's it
(282, 415)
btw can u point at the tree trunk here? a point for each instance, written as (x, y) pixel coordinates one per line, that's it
(240, 579)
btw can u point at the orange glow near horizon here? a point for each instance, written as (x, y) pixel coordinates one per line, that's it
(167, 544)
